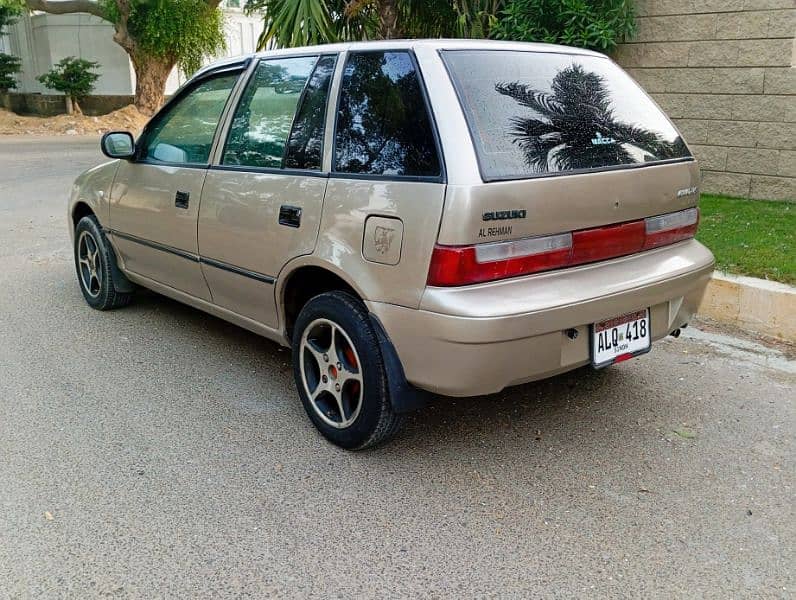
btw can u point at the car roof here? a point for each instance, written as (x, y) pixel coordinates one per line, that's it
(436, 44)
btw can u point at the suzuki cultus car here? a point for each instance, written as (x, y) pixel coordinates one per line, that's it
(442, 216)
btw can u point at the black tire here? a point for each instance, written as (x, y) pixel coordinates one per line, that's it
(98, 288)
(374, 422)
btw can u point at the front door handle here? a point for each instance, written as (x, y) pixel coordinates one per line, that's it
(181, 199)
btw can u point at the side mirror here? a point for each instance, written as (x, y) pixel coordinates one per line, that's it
(118, 144)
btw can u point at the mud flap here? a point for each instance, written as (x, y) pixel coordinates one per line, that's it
(404, 397)
(120, 283)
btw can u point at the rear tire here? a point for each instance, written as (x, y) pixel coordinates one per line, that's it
(93, 256)
(339, 372)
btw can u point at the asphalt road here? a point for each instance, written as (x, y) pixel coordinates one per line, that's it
(157, 452)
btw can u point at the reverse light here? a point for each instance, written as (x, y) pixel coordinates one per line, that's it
(670, 228)
(478, 263)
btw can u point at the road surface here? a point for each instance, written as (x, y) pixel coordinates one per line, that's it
(157, 452)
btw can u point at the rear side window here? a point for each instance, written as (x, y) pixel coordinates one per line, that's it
(264, 116)
(533, 113)
(305, 144)
(383, 125)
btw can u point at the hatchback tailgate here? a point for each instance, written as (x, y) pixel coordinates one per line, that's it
(507, 210)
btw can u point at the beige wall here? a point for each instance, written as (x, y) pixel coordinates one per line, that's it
(724, 71)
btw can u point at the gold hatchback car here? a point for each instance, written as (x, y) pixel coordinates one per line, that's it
(441, 216)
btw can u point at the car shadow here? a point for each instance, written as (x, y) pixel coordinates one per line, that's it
(146, 300)
(580, 402)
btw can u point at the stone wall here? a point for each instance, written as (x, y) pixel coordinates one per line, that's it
(724, 71)
(47, 105)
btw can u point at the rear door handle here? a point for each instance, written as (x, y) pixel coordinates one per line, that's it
(181, 199)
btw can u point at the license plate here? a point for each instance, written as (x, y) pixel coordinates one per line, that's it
(620, 338)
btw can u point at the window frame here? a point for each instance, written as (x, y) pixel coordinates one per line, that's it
(216, 165)
(477, 150)
(303, 95)
(186, 89)
(333, 173)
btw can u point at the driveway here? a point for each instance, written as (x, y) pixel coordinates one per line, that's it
(158, 452)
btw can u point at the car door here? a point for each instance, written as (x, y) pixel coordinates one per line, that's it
(155, 198)
(262, 200)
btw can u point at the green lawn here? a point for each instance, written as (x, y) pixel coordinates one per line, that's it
(750, 237)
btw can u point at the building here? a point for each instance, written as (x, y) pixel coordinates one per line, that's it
(41, 40)
(725, 71)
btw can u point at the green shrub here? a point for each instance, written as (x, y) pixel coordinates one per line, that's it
(10, 10)
(9, 65)
(73, 77)
(593, 24)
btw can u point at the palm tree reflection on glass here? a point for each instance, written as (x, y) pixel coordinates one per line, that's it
(576, 128)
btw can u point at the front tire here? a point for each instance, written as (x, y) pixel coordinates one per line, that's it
(93, 256)
(339, 372)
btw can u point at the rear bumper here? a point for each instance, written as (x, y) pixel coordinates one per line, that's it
(480, 339)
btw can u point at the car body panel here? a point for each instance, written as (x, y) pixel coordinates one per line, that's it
(93, 188)
(347, 205)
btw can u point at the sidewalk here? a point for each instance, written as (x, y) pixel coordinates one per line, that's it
(755, 305)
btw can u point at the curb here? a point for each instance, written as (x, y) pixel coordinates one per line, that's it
(755, 305)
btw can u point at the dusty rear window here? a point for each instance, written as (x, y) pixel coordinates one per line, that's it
(533, 114)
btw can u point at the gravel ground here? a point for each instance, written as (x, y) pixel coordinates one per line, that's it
(127, 118)
(157, 452)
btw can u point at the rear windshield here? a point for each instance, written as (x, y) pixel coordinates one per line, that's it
(533, 114)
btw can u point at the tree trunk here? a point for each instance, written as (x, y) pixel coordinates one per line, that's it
(388, 20)
(150, 82)
(150, 72)
(69, 108)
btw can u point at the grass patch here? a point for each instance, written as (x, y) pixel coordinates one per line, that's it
(750, 237)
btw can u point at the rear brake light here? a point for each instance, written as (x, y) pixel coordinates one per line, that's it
(463, 265)
(602, 243)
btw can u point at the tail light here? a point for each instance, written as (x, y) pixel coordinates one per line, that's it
(463, 265)
(670, 228)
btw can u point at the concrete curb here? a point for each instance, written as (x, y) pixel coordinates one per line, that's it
(756, 305)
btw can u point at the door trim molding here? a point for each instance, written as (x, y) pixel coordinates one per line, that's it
(218, 264)
(237, 270)
(154, 245)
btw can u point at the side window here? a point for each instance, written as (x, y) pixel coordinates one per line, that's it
(184, 134)
(305, 144)
(383, 126)
(264, 116)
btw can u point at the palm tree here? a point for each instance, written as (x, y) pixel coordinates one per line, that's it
(290, 23)
(576, 128)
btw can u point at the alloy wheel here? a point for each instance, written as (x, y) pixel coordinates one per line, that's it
(89, 264)
(331, 373)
